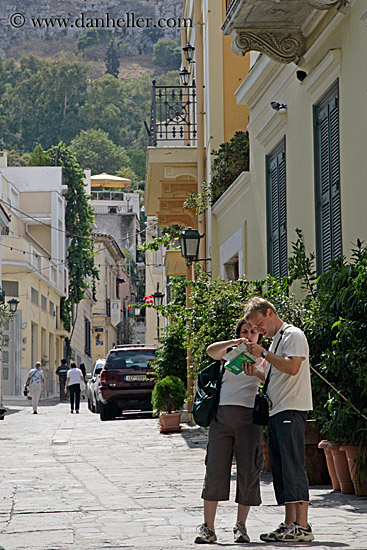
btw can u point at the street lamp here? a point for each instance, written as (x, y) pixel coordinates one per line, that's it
(189, 243)
(13, 305)
(158, 301)
(184, 76)
(188, 51)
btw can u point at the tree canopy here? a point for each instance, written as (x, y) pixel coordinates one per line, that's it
(94, 149)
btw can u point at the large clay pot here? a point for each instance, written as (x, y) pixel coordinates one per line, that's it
(351, 452)
(170, 422)
(342, 469)
(324, 444)
(315, 462)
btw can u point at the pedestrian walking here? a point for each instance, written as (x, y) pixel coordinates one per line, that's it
(36, 383)
(289, 391)
(73, 380)
(62, 371)
(84, 381)
(232, 432)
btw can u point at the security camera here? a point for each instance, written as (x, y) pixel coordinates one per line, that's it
(277, 106)
(301, 75)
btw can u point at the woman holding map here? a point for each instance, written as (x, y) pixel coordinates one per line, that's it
(232, 433)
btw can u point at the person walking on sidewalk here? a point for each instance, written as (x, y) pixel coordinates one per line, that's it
(36, 383)
(62, 371)
(83, 384)
(290, 393)
(232, 432)
(73, 379)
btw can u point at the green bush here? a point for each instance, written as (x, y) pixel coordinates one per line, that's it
(169, 394)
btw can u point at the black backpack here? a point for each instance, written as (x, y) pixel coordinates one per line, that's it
(207, 395)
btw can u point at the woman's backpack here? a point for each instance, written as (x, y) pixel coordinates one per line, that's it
(207, 395)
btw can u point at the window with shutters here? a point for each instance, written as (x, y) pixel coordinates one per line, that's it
(277, 212)
(327, 180)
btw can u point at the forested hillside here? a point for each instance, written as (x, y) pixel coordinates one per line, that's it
(90, 88)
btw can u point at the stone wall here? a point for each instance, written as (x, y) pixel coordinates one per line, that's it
(14, 29)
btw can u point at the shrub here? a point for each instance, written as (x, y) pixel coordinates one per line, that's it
(169, 394)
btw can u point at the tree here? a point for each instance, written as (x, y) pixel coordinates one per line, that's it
(96, 151)
(112, 59)
(89, 38)
(167, 53)
(43, 104)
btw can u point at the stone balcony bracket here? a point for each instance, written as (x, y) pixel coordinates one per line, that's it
(282, 44)
(277, 29)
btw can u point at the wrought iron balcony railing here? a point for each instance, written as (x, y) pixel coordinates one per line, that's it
(173, 114)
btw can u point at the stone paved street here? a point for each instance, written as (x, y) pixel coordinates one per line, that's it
(72, 481)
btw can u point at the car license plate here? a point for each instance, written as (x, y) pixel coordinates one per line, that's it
(135, 377)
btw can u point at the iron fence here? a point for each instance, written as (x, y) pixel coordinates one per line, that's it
(173, 114)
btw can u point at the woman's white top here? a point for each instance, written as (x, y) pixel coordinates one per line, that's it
(35, 376)
(74, 376)
(239, 389)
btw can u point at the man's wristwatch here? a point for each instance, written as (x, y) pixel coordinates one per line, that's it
(264, 353)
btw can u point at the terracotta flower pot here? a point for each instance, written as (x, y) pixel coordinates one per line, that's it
(351, 452)
(324, 444)
(170, 422)
(342, 469)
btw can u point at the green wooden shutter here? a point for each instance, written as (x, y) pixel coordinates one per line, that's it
(327, 165)
(277, 213)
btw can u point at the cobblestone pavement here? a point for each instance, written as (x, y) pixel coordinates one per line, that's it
(72, 481)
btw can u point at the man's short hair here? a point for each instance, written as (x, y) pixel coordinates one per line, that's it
(258, 304)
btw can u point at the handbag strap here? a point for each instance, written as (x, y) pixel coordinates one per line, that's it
(266, 383)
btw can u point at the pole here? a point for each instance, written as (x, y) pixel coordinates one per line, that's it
(190, 379)
(199, 74)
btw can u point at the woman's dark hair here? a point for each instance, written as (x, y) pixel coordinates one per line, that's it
(73, 365)
(240, 323)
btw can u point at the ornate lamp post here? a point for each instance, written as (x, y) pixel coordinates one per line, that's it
(158, 301)
(12, 305)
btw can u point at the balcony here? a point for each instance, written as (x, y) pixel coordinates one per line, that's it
(282, 30)
(173, 115)
(171, 155)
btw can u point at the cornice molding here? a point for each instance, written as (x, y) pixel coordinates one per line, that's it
(282, 44)
(322, 4)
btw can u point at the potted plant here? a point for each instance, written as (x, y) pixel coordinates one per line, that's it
(168, 398)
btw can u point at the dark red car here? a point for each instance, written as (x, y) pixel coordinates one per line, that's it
(124, 381)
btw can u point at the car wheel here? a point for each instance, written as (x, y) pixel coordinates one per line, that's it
(104, 412)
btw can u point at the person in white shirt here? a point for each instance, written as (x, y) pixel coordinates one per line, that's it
(36, 382)
(73, 380)
(232, 432)
(290, 393)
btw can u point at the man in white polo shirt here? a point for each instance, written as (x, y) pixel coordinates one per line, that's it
(289, 391)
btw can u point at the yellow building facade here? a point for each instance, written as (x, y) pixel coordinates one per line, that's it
(107, 309)
(306, 130)
(33, 272)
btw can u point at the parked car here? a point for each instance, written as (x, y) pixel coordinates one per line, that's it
(124, 381)
(92, 385)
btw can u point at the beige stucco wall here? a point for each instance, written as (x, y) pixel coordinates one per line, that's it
(338, 54)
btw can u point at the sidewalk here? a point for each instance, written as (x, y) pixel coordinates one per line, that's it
(72, 481)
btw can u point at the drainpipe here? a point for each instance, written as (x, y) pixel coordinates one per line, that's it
(200, 116)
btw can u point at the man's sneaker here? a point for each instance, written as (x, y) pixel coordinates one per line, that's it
(206, 535)
(240, 532)
(296, 533)
(272, 536)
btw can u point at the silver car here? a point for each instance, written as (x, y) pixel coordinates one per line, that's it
(92, 386)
